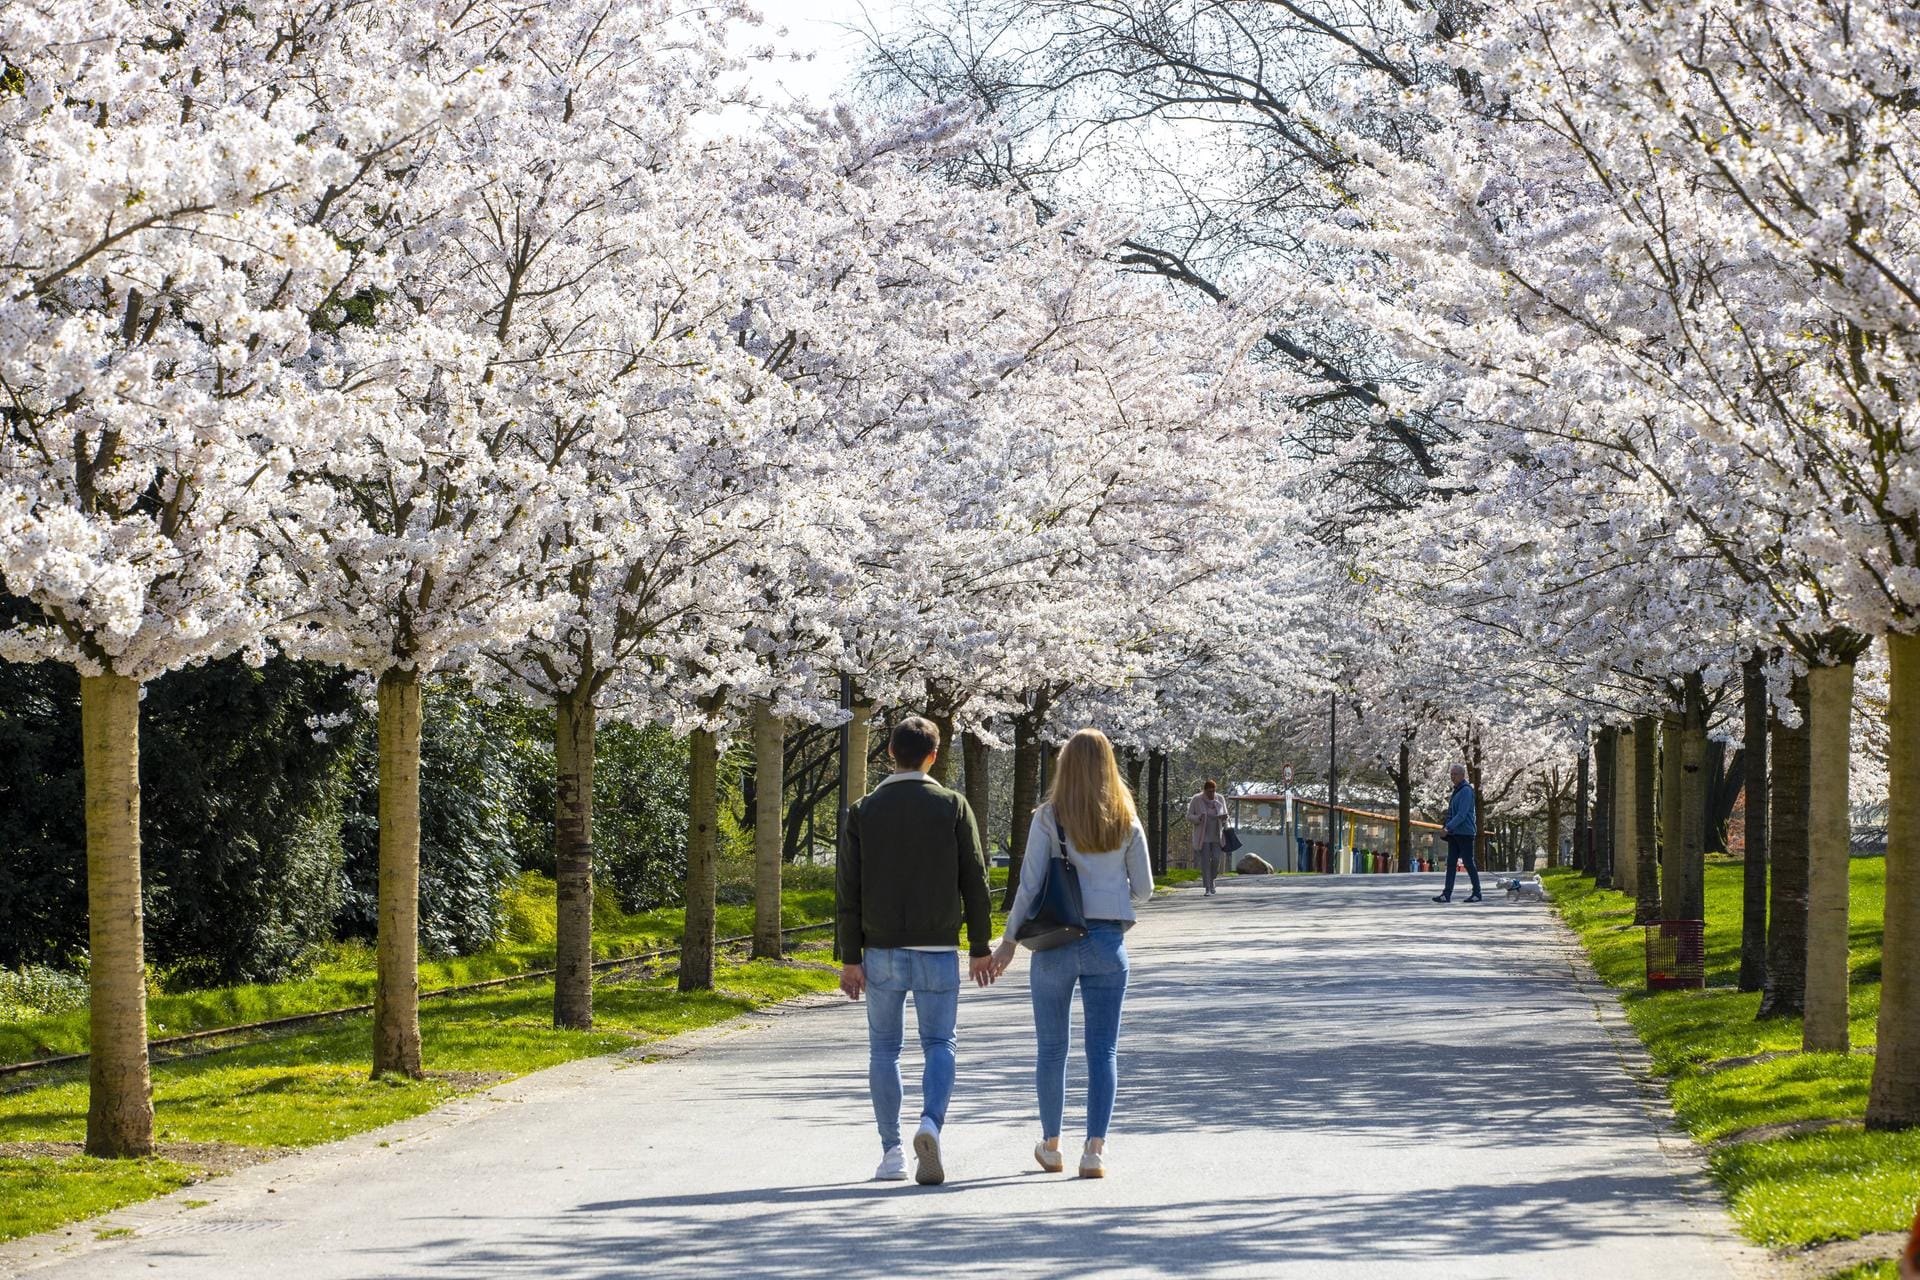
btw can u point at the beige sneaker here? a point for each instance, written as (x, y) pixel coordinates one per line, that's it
(1093, 1164)
(1049, 1157)
(928, 1170)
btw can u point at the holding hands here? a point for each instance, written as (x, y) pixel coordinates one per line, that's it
(1002, 957)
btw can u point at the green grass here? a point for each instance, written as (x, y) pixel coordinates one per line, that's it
(344, 975)
(313, 1087)
(42, 1193)
(1788, 1191)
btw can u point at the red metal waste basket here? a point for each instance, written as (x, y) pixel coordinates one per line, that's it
(1676, 955)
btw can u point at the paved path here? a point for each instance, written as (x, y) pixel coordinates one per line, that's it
(1319, 1078)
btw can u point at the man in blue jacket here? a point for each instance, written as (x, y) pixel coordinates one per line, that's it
(1462, 825)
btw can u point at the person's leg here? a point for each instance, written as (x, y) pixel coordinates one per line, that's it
(1103, 990)
(1050, 983)
(1206, 867)
(886, 1000)
(936, 1006)
(1473, 865)
(1453, 859)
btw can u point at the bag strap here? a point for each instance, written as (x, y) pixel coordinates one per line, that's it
(1060, 833)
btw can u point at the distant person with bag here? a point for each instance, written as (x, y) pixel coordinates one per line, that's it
(1461, 829)
(1085, 869)
(1207, 814)
(909, 872)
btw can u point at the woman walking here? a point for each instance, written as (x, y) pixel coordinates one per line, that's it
(1089, 819)
(1207, 811)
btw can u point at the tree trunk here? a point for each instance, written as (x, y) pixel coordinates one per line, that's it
(1026, 797)
(573, 729)
(943, 763)
(1672, 817)
(119, 1089)
(1785, 992)
(1626, 820)
(1692, 897)
(1603, 759)
(1156, 771)
(1893, 1102)
(1136, 773)
(1830, 693)
(859, 747)
(1753, 871)
(1646, 849)
(769, 747)
(703, 821)
(1581, 798)
(1553, 828)
(1403, 808)
(979, 790)
(396, 993)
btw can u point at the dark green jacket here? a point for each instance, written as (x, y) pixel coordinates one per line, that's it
(909, 869)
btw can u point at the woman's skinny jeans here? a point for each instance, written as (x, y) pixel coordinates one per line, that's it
(1098, 962)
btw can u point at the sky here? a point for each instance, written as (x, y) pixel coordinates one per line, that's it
(816, 28)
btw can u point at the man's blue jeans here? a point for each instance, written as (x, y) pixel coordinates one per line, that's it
(1098, 962)
(1459, 850)
(933, 977)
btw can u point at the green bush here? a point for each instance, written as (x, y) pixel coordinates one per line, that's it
(239, 816)
(528, 913)
(32, 991)
(470, 792)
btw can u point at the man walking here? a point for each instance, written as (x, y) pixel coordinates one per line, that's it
(1207, 814)
(1461, 828)
(910, 870)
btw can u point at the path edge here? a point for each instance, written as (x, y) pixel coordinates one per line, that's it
(81, 1238)
(1684, 1156)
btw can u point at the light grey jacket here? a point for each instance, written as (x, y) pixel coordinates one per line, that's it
(1110, 883)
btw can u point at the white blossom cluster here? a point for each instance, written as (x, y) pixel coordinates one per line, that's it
(429, 336)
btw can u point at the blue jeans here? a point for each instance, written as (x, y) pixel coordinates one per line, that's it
(934, 979)
(1098, 962)
(1460, 849)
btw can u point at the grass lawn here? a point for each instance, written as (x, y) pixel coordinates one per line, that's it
(1787, 1191)
(344, 975)
(311, 1085)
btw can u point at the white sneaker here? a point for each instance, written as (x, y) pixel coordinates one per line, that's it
(893, 1166)
(1093, 1164)
(927, 1169)
(1050, 1158)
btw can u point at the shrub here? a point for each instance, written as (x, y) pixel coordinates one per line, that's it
(239, 817)
(470, 791)
(31, 991)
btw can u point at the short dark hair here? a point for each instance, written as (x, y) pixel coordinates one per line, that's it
(913, 740)
(1213, 784)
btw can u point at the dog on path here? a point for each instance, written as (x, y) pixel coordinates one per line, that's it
(1529, 890)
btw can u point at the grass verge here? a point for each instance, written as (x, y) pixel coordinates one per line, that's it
(313, 1087)
(1798, 1188)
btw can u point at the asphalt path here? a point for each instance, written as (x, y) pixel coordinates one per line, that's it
(1320, 1077)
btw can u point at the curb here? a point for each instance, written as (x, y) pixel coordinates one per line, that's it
(198, 1207)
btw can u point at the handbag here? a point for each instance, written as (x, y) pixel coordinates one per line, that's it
(1059, 916)
(1230, 840)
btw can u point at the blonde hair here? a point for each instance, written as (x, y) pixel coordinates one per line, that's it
(1089, 797)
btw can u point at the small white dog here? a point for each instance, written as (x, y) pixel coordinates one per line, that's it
(1529, 890)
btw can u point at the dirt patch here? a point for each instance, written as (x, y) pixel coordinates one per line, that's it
(213, 1158)
(1838, 1255)
(1785, 1129)
(468, 1081)
(1755, 1059)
